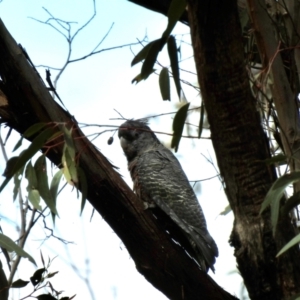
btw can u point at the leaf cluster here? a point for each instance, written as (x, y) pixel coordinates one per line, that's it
(276, 201)
(148, 55)
(19, 167)
(40, 281)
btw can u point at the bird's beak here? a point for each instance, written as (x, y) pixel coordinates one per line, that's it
(123, 142)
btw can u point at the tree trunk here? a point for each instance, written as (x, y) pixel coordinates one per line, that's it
(241, 147)
(26, 101)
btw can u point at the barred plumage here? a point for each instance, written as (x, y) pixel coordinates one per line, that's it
(159, 179)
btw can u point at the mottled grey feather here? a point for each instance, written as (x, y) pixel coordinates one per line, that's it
(159, 179)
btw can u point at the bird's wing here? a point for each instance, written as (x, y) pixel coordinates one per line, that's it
(164, 182)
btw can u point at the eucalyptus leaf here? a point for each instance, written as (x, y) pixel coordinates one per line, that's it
(40, 167)
(10, 167)
(19, 283)
(201, 121)
(55, 184)
(226, 210)
(143, 53)
(35, 128)
(69, 142)
(34, 198)
(30, 175)
(291, 203)
(70, 161)
(38, 142)
(164, 84)
(45, 297)
(275, 194)
(65, 169)
(176, 9)
(279, 158)
(36, 278)
(83, 188)
(139, 78)
(18, 144)
(147, 67)
(173, 55)
(11, 246)
(178, 124)
(277, 189)
(54, 188)
(294, 241)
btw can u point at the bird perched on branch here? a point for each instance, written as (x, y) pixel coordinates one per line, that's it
(160, 181)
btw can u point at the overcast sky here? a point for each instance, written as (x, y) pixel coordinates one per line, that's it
(91, 89)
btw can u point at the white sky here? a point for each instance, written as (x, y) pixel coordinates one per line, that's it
(91, 89)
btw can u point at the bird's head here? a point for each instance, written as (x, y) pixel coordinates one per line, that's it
(136, 137)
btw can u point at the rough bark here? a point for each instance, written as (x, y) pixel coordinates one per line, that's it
(241, 147)
(24, 102)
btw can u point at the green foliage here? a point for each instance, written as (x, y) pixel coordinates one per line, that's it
(294, 241)
(17, 181)
(69, 141)
(139, 77)
(38, 142)
(18, 144)
(147, 67)
(10, 164)
(226, 210)
(45, 297)
(19, 283)
(276, 159)
(69, 166)
(275, 194)
(34, 129)
(33, 193)
(40, 168)
(68, 158)
(178, 125)
(273, 198)
(72, 172)
(37, 175)
(55, 184)
(164, 84)
(143, 53)
(149, 55)
(173, 55)
(54, 189)
(175, 11)
(41, 281)
(83, 188)
(150, 52)
(201, 121)
(36, 278)
(11, 246)
(291, 203)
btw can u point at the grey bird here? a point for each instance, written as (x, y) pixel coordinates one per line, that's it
(159, 180)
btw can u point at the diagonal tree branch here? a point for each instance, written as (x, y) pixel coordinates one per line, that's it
(164, 263)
